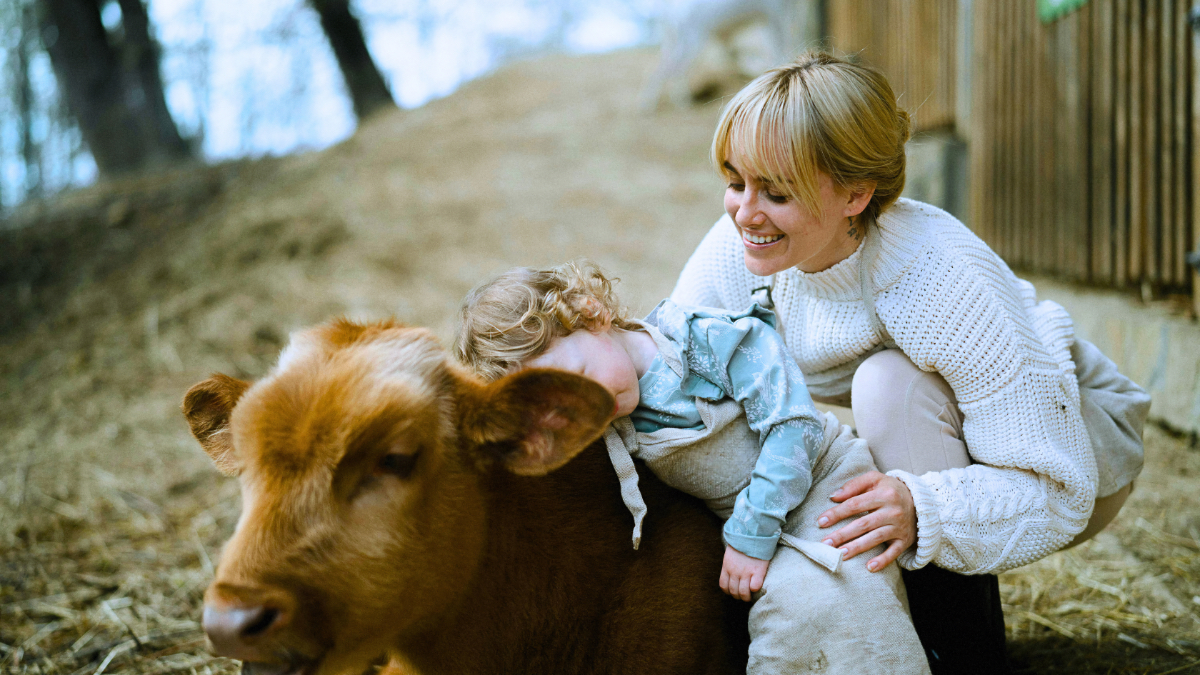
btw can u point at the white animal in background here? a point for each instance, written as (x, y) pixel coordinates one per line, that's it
(688, 26)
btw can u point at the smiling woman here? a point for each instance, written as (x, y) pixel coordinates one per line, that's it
(963, 384)
(806, 157)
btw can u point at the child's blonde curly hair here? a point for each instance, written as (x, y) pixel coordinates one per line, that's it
(513, 318)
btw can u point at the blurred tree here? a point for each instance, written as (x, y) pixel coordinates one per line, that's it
(368, 92)
(110, 80)
(30, 150)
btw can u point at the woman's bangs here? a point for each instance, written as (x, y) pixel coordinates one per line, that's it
(763, 147)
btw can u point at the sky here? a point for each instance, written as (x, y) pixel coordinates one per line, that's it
(257, 77)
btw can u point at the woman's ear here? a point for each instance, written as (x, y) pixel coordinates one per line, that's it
(860, 195)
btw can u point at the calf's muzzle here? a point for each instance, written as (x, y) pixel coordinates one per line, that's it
(244, 623)
(233, 630)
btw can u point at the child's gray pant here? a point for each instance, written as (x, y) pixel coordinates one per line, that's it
(808, 619)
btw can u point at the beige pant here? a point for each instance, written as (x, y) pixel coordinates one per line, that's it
(911, 421)
(807, 619)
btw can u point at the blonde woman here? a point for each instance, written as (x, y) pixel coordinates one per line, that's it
(967, 390)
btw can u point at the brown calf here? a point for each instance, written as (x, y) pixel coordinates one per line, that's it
(394, 506)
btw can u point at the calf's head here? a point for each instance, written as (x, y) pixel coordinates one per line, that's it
(361, 458)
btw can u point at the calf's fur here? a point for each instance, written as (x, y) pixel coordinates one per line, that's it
(397, 508)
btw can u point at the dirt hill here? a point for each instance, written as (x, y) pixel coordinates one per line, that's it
(114, 299)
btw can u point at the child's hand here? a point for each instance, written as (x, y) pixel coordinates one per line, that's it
(742, 575)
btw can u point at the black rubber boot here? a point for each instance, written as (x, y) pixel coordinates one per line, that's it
(959, 621)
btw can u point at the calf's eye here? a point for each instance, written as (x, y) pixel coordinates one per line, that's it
(397, 464)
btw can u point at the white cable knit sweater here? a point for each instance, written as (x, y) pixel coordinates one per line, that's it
(953, 307)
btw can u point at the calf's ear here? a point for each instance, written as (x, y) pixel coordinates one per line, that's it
(207, 406)
(539, 418)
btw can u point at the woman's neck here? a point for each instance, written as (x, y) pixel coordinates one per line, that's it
(843, 245)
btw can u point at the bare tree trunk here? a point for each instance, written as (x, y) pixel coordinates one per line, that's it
(31, 153)
(120, 111)
(91, 78)
(141, 56)
(368, 92)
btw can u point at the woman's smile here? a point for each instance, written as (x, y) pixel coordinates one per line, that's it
(760, 241)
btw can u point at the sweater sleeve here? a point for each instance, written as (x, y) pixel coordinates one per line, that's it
(1033, 486)
(750, 363)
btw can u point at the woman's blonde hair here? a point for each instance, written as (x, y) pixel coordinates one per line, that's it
(512, 318)
(819, 113)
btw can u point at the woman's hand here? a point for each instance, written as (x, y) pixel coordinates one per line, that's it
(742, 575)
(890, 516)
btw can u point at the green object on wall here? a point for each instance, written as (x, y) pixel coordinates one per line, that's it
(1049, 10)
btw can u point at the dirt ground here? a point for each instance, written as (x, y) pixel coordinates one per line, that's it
(114, 299)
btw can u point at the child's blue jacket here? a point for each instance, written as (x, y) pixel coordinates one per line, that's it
(738, 355)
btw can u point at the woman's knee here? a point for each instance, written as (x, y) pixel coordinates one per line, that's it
(873, 391)
(909, 417)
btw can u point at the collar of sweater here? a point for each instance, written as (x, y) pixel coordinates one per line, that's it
(903, 231)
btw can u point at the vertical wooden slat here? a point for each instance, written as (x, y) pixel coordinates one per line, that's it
(1081, 184)
(918, 69)
(1015, 101)
(1068, 183)
(1183, 45)
(941, 73)
(1194, 179)
(1053, 119)
(947, 78)
(930, 73)
(984, 113)
(1137, 140)
(1101, 141)
(1041, 126)
(1151, 162)
(993, 86)
(1046, 120)
(1001, 70)
(1122, 106)
(1029, 141)
(1064, 257)
(1072, 184)
(899, 21)
(1179, 218)
(1023, 168)
(981, 158)
(1020, 139)
(894, 17)
(1005, 102)
(1055, 129)
(986, 116)
(1166, 89)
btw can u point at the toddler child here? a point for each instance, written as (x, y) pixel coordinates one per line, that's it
(666, 372)
(570, 320)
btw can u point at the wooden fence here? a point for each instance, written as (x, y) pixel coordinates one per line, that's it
(1082, 145)
(914, 41)
(1082, 132)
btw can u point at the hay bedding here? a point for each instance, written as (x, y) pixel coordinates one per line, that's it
(110, 516)
(1129, 601)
